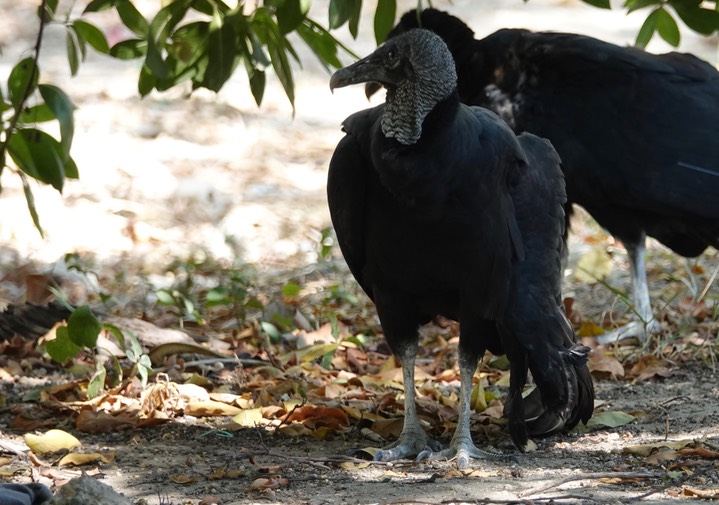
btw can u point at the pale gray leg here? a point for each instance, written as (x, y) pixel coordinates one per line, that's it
(646, 325)
(461, 445)
(413, 440)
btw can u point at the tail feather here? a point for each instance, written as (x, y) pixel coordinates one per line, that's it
(553, 406)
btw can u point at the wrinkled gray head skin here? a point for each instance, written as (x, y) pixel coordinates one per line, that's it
(418, 72)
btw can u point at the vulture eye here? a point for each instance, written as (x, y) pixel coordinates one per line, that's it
(392, 57)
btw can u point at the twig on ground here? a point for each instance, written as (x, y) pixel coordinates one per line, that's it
(339, 459)
(258, 430)
(591, 476)
(287, 416)
(492, 501)
(635, 499)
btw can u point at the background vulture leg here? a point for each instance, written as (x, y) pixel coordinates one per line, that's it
(647, 325)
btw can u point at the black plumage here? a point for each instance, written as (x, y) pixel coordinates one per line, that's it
(636, 132)
(440, 209)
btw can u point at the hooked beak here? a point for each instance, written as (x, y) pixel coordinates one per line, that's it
(364, 70)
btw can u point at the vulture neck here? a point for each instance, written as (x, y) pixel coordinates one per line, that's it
(408, 104)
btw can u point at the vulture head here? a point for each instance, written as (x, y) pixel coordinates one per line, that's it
(418, 72)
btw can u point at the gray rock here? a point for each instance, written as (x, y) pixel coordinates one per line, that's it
(88, 491)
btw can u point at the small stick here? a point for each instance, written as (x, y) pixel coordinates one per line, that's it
(592, 476)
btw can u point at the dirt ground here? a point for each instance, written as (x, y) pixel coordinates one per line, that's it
(166, 177)
(179, 462)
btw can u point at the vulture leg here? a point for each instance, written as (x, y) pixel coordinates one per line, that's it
(461, 445)
(413, 441)
(647, 325)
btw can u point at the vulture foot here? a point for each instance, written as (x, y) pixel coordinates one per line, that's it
(636, 329)
(464, 450)
(409, 445)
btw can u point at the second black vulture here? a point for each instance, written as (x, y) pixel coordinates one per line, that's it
(636, 132)
(439, 209)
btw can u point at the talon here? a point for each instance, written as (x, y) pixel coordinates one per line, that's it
(424, 455)
(462, 462)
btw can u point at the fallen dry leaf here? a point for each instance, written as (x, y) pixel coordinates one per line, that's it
(210, 500)
(296, 430)
(183, 479)
(316, 416)
(102, 422)
(588, 329)
(208, 408)
(249, 418)
(601, 363)
(349, 466)
(269, 483)
(610, 419)
(388, 428)
(700, 452)
(594, 265)
(51, 441)
(649, 367)
(77, 459)
(705, 494)
(661, 456)
(646, 449)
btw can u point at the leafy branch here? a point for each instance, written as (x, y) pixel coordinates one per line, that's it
(203, 43)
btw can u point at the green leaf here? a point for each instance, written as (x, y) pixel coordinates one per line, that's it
(160, 28)
(704, 21)
(339, 12)
(99, 5)
(92, 35)
(23, 80)
(290, 14)
(39, 113)
(610, 419)
(146, 82)
(321, 42)
(96, 384)
(278, 47)
(71, 171)
(62, 348)
(164, 297)
(647, 30)
(602, 4)
(30, 199)
(257, 85)
(50, 9)
(384, 19)
(62, 107)
(73, 57)
(217, 296)
(189, 42)
(291, 289)
(222, 53)
(132, 18)
(258, 55)
(129, 49)
(667, 27)
(355, 17)
(135, 346)
(83, 327)
(117, 333)
(144, 367)
(633, 5)
(39, 155)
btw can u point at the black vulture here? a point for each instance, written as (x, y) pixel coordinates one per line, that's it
(439, 209)
(636, 132)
